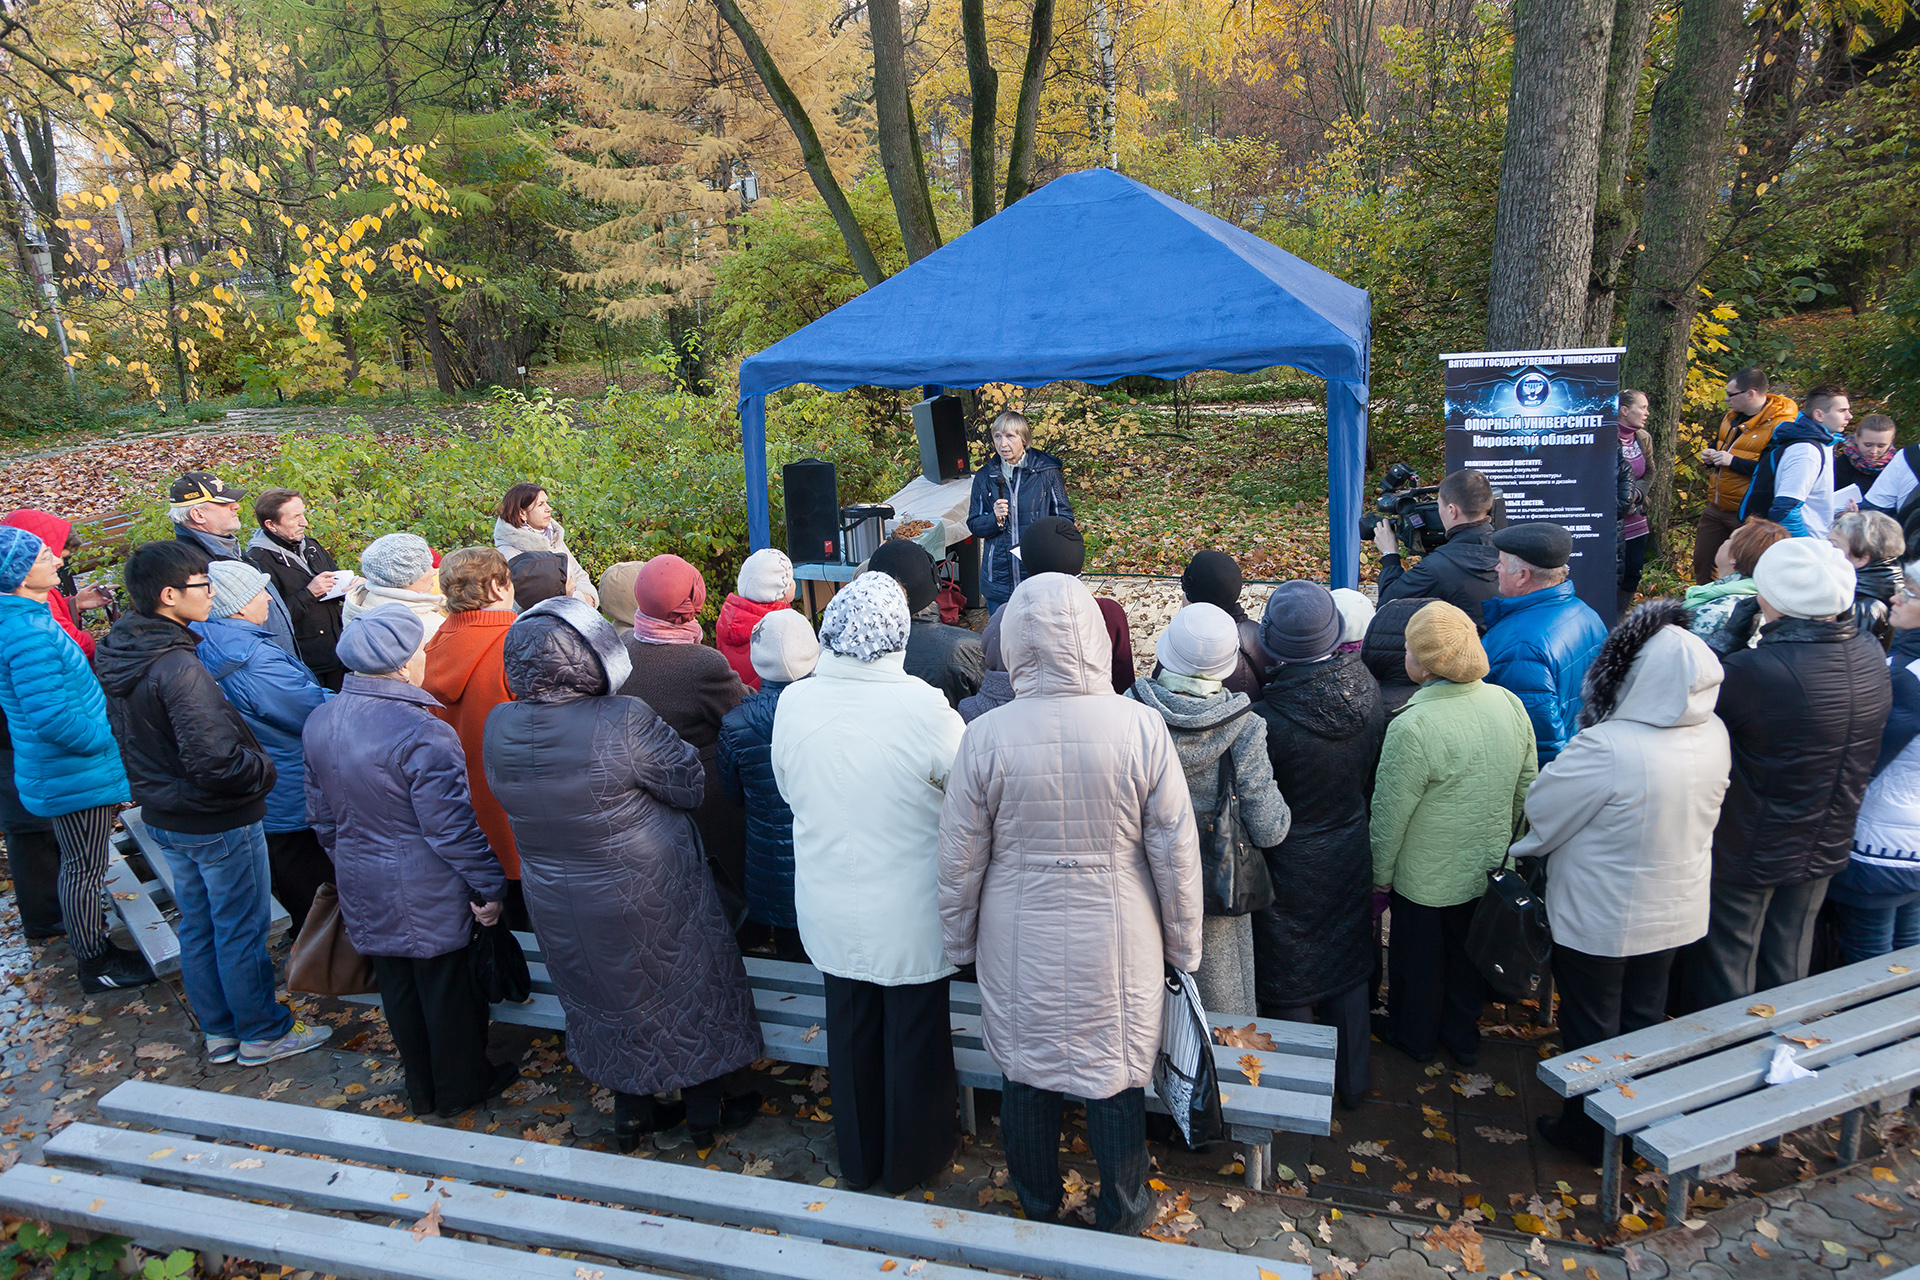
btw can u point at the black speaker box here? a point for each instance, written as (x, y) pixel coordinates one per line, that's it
(942, 428)
(813, 511)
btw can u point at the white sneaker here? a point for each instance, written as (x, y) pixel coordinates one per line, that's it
(257, 1053)
(222, 1049)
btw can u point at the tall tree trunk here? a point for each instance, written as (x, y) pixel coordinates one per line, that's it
(1686, 137)
(984, 83)
(1108, 77)
(893, 114)
(1769, 110)
(1026, 116)
(37, 166)
(1543, 224)
(811, 151)
(1613, 218)
(446, 368)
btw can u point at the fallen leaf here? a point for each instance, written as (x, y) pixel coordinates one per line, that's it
(1633, 1222)
(1234, 1204)
(1626, 1091)
(888, 1265)
(1247, 1037)
(429, 1223)
(1768, 1230)
(1878, 1202)
(1807, 1041)
(1760, 1010)
(1250, 1067)
(248, 1164)
(97, 1206)
(1758, 1251)
(810, 1032)
(498, 1194)
(158, 1052)
(1505, 1137)
(1834, 1247)
(1270, 1275)
(816, 1206)
(1883, 1174)
(1324, 1231)
(164, 1151)
(1897, 968)
(400, 1195)
(757, 1168)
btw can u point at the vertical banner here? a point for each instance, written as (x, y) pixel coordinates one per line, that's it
(1540, 426)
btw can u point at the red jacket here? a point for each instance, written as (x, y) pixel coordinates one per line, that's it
(733, 633)
(466, 672)
(53, 531)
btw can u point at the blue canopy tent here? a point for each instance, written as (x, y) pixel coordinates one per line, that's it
(1091, 278)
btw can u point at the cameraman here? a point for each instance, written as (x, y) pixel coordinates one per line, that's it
(1465, 570)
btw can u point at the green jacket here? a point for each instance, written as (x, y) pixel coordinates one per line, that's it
(1451, 789)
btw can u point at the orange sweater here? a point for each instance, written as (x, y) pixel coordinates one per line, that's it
(466, 673)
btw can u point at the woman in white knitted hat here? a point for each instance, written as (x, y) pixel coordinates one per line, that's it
(1211, 727)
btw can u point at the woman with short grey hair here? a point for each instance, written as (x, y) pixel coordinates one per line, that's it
(1872, 542)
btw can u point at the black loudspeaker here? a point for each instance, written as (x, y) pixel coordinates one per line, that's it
(813, 511)
(942, 428)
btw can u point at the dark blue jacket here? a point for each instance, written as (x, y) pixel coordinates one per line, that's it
(65, 758)
(387, 795)
(1761, 499)
(1539, 647)
(1039, 488)
(274, 694)
(746, 774)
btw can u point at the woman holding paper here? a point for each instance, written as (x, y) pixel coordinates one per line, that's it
(306, 576)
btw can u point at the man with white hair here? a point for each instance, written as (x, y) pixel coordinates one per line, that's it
(206, 515)
(1804, 709)
(1541, 638)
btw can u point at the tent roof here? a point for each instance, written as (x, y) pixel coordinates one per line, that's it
(1091, 278)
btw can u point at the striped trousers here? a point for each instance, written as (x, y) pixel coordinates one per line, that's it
(83, 870)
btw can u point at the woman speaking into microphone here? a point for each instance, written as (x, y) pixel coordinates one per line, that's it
(1008, 495)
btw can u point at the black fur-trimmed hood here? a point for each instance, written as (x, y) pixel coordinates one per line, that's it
(1652, 670)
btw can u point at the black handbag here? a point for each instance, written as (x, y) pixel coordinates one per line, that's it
(498, 965)
(1233, 871)
(1510, 941)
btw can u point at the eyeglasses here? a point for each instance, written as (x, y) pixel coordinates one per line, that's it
(195, 586)
(1906, 595)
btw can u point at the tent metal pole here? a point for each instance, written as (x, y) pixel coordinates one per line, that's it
(753, 449)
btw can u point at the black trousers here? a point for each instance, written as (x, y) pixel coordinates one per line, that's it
(1349, 1015)
(1757, 939)
(1602, 997)
(896, 1101)
(298, 865)
(33, 859)
(1434, 994)
(1117, 1133)
(439, 1025)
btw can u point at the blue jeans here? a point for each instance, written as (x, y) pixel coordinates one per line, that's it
(1866, 932)
(221, 885)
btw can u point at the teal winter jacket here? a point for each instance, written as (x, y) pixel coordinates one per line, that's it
(65, 758)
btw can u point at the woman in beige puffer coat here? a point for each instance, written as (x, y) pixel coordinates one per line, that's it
(1070, 871)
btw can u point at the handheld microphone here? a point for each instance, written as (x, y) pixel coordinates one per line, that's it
(1000, 483)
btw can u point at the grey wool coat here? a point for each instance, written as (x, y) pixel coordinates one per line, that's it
(1204, 729)
(601, 794)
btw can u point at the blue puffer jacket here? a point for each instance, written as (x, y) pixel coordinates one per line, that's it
(274, 694)
(1039, 488)
(65, 758)
(746, 774)
(387, 795)
(1539, 647)
(1885, 866)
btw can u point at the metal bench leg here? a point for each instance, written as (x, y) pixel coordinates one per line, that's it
(1258, 1155)
(969, 1118)
(1610, 1170)
(1679, 1184)
(1853, 1126)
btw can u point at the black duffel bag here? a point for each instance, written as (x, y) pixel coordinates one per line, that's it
(1510, 941)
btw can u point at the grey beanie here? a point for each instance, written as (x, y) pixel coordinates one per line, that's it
(380, 641)
(235, 584)
(1302, 623)
(396, 560)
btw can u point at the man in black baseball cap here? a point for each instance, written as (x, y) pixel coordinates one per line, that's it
(1541, 638)
(206, 514)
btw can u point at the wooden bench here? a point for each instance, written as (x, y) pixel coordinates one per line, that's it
(141, 903)
(1692, 1092)
(214, 1175)
(1294, 1094)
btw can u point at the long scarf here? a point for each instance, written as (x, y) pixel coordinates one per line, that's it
(653, 631)
(1851, 452)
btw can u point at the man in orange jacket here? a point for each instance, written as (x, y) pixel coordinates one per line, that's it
(1752, 414)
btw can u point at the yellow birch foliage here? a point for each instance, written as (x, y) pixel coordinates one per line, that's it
(189, 131)
(672, 114)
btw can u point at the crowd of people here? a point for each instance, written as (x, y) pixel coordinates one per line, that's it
(453, 742)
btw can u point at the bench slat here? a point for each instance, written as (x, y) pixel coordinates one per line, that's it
(1743, 1068)
(1686, 1142)
(163, 1219)
(528, 1221)
(278, 921)
(846, 1217)
(542, 1011)
(144, 920)
(1701, 1033)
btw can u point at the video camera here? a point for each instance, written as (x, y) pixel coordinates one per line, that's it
(1411, 509)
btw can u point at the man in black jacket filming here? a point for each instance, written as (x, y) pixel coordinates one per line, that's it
(201, 779)
(1463, 571)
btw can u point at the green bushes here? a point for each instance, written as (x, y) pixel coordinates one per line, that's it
(631, 476)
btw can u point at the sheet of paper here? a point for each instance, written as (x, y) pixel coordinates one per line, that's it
(343, 582)
(1841, 497)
